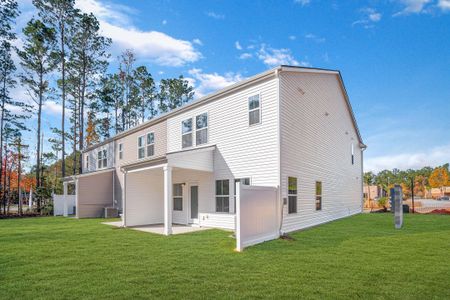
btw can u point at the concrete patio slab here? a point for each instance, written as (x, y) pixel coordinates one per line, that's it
(159, 228)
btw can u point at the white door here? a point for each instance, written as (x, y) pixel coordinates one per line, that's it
(193, 205)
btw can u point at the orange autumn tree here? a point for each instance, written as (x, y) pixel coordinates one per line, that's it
(439, 178)
(91, 132)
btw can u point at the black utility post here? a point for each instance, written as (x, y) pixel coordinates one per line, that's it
(412, 193)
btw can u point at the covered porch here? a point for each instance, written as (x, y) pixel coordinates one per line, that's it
(176, 190)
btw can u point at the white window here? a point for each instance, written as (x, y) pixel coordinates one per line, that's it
(223, 195)
(102, 159)
(201, 129)
(150, 144)
(292, 195)
(87, 161)
(254, 110)
(141, 147)
(178, 196)
(186, 132)
(120, 151)
(318, 195)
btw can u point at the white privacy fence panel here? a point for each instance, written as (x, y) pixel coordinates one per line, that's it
(257, 215)
(64, 205)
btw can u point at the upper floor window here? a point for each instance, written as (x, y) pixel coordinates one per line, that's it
(254, 110)
(141, 147)
(292, 195)
(318, 195)
(201, 129)
(120, 151)
(102, 159)
(186, 132)
(150, 144)
(223, 195)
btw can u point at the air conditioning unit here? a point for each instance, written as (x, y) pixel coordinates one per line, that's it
(111, 212)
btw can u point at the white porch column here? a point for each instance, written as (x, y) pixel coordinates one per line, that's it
(167, 200)
(65, 213)
(124, 195)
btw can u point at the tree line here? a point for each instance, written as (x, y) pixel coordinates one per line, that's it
(417, 181)
(63, 42)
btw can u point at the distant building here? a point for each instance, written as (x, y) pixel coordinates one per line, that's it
(373, 191)
(437, 192)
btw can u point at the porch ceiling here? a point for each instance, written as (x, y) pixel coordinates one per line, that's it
(201, 159)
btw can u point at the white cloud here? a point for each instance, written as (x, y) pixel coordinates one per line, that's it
(198, 42)
(292, 37)
(238, 45)
(215, 15)
(412, 7)
(444, 5)
(245, 55)
(302, 2)
(433, 157)
(51, 107)
(205, 83)
(370, 16)
(153, 46)
(275, 57)
(315, 38)
(164, 22)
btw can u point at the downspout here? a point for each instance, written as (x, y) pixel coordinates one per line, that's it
(363, 147)
(124, 193)
(280, 198)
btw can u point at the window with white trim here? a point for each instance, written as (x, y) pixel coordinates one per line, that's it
(223, 195)
(141, 147)
(120, 151)
(318, 195)
(186, 133)
(178, 197)
(292, 195)
(87, 162)
(254, 110)
(102, 159)
(201, 129)
(150, 144)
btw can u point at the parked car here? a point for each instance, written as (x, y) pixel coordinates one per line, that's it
(445, 198)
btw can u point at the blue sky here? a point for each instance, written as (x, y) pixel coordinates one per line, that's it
(394, 57)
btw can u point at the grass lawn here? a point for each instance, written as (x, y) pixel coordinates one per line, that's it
(358, 257)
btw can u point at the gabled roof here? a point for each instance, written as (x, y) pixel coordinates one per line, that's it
(241, 84)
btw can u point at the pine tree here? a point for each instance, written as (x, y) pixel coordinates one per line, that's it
(173, 93)
(38, 59)
(59, 14)
(146, 93)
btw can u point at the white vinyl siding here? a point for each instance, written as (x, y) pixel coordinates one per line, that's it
(316, 137)
(241, 150)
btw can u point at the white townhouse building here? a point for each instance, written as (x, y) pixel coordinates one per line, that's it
(289, 128)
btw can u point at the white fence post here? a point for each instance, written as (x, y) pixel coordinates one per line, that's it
(239, 247)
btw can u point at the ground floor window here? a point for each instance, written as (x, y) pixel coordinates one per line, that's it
(292, 195)
(318, 195)
(177, 196)
(223, 195)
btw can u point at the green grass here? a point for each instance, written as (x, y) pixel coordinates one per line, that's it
(358, 257)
